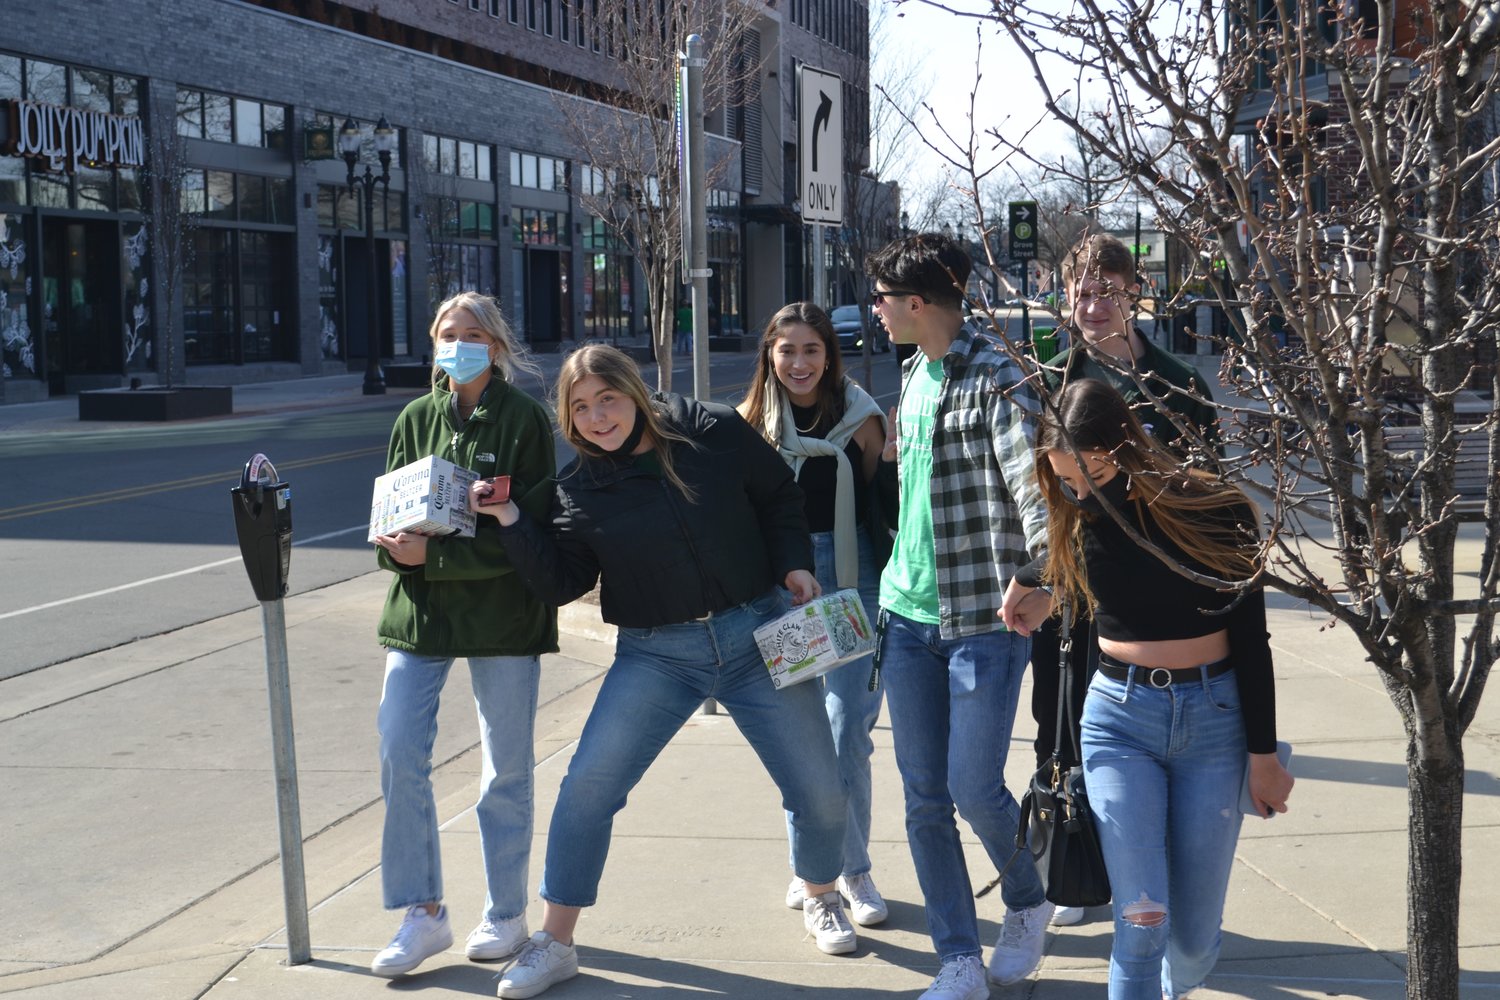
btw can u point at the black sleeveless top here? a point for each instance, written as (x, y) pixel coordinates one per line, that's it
(818, 476)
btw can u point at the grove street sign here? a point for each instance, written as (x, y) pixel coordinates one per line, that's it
(1023, 226)
(820, 121)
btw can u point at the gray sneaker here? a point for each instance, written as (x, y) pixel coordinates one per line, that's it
(794, 893)
(544, 961)
(1019, 950)
(420, 936)
(960, 978)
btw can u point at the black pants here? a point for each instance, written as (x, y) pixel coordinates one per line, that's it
(1046, 673)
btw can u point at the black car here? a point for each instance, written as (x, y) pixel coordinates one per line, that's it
(846, 327)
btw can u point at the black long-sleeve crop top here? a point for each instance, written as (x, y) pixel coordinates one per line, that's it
(1141, 599)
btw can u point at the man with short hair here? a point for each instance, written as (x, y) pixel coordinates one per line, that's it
(970, 515)
(1176, 407)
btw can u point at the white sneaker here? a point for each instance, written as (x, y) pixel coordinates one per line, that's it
(1067, 916)
(494, 939)
(794, 893)
(1019, 950)
(865, 904)
(420, 936)
(959, 979)
(544, 961)
(823, 916)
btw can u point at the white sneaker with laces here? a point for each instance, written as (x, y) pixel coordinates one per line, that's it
(1019, 950)
(1067, 916)
(865, 904)
(959, 979)
(823, 916)
(794, 893)
(494, 939)
(420, 936)
(544, 961)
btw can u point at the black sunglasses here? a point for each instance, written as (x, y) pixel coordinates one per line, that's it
(877, 296)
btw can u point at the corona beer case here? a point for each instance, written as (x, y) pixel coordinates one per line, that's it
(810, 640)
(430, 496)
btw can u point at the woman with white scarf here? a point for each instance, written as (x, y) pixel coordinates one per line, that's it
(833, 435)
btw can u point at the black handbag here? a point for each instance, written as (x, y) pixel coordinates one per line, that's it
(1057, 827)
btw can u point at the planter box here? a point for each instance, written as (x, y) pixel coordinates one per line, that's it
(408, 376)
(185, 402)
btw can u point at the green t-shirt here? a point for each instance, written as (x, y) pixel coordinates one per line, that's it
(909, 584)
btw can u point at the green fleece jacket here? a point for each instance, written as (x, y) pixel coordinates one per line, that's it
(467, 600)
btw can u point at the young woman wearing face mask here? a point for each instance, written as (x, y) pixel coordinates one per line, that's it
(452, 597)
(688, 520)
(832, 434)
(1184, 697)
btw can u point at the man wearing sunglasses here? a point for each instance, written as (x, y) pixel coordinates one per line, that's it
(970, 515)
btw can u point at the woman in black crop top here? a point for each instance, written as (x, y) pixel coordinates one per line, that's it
(832, 434)
(1184, 687)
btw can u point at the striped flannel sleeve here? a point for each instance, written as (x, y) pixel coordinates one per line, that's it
(1013, 421)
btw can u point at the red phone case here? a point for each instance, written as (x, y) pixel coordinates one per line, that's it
(499, 490)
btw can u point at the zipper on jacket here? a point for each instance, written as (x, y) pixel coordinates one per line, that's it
(687, 536)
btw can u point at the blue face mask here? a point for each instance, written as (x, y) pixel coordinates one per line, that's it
(463, 360)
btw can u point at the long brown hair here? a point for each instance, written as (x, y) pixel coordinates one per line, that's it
(620, 373)
(830, 403)
(1091, 416)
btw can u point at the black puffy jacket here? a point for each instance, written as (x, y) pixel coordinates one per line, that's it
(659, 557)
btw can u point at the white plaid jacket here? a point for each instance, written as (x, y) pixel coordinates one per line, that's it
(988, 518)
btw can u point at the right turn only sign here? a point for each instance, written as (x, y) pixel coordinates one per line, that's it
(1023, 225)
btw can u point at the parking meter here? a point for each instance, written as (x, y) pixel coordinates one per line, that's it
(263, 522)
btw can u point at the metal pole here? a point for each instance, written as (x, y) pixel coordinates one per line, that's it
(288, 811)
(820, 278)
(696, 180)
(374, 383)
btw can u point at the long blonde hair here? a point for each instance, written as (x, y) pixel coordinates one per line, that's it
(1092, 416)
(512, 355)
(615, 368)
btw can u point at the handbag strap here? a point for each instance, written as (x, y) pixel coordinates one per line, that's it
(1065, 714)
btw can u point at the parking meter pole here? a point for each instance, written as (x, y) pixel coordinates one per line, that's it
(288, 807)
(263, 523)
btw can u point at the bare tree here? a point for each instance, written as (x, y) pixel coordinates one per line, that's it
(1334, 179)
(628, 133)
(172, 219)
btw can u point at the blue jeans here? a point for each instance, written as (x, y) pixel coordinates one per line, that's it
(852, 707)
(1163, 768)
(505, 691)
(952, 704)
(658, 679)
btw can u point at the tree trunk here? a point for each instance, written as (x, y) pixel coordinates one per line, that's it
(1435, 794)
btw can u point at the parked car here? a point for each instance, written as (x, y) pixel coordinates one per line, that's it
(846, 326)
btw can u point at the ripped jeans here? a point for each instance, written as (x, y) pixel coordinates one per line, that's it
(1164, 768)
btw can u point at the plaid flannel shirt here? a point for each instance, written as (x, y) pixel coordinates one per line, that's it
(988, 517)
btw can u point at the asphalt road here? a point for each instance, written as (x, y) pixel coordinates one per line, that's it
(111, 535)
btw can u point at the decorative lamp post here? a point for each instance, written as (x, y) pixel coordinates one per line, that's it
(350, 139)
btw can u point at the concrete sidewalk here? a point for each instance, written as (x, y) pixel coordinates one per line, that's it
(691, 899)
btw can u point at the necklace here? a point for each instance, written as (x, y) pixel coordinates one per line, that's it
(815, 418)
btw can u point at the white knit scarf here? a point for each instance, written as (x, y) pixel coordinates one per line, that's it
(781, 430)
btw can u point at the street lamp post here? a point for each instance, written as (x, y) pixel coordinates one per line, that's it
(350, 139)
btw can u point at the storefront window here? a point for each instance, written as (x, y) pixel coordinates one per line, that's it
(49, 191)
(328, 297)
(134, 263)
(96, 188)
(17, 343)
(46, 82)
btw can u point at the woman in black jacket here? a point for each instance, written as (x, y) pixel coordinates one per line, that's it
(688, 520)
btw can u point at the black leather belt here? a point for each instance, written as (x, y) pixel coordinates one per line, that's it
(1160, 677)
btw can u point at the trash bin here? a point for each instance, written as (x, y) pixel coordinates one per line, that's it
(1044, 342)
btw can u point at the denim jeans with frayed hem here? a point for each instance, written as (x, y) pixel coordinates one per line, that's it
(657, 681)
(505, 693)
(952, 704)
(1164, 769)
(852, 707)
